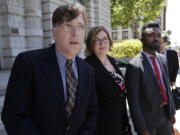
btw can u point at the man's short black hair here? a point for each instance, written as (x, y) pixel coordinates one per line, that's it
(150, 25)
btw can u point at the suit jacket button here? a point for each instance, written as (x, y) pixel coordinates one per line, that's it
(68, 127)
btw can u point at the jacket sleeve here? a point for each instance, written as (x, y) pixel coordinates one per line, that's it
(16, 114)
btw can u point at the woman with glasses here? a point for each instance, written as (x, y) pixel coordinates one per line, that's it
(113, 118)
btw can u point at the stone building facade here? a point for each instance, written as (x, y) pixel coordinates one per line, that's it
(26, 24)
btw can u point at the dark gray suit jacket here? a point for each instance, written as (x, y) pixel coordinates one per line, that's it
(143, 92)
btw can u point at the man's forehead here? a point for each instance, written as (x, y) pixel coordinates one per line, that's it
(78, 19)
(153, 29)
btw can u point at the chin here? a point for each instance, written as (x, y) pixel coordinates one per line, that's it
(74, 52)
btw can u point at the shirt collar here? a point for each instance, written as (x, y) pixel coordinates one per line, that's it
(62, 59)
(164, 52)
(148, 55)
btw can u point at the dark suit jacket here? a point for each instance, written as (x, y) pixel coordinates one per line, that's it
(111, 100)
(173, 64)
(143, 93)
(34, 102)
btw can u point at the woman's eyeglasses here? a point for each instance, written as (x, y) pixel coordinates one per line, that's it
(100, 41)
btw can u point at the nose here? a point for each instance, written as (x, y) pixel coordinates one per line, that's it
(101, 42)
(156, 38)
(74, 31)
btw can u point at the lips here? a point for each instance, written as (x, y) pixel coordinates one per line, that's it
(102, 48)
(74, 42)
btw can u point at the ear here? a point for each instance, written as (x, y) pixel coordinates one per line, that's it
(54, 33)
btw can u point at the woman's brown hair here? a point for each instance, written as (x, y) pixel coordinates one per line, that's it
(92, 36)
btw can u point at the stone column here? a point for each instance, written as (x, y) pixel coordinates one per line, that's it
(91, 10)
(3, 26)
(104, 14)
(12, 39)
(33, 24)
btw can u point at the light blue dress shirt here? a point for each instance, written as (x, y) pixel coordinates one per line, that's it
(62, 66)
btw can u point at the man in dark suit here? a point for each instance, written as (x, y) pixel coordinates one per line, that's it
(150, 100)
(51, 91)
(172, 60)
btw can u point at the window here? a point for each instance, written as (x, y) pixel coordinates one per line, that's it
(114, 35)
(124, 35)
(14, 30)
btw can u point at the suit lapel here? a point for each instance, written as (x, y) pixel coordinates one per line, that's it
(103, 69)
(115, 65)
(53, 74)
(164, 70)
(149, 67)
(164, 73)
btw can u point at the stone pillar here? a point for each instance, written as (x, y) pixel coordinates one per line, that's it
(104, 14)
(12, 31)
(91, 10)
(48, 6)
(98, 13)
(33, 24)
(3, 26)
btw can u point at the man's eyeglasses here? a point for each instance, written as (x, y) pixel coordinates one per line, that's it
(71, 28)
(99, 41)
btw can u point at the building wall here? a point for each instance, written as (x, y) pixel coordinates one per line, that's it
(120, 33)
(21, 28)
(12, 29)
(26, 24)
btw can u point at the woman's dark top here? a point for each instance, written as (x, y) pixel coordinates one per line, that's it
(112, 119)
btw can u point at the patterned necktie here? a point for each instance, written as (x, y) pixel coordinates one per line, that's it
(71, 87)
(158, 78)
